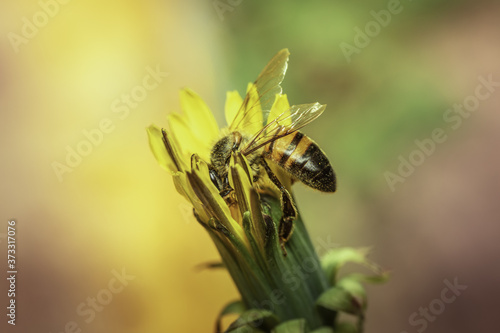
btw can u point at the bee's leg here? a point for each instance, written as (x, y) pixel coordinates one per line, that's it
(285, 228)
(230, 199)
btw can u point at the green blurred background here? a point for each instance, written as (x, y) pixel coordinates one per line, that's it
(118, 210)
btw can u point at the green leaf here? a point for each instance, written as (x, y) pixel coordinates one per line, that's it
(337, 258)
(292, 326)
(235, 307)
(339, 299)
(349, 297)
(254, 319)
(355, 290)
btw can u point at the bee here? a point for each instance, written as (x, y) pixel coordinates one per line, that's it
(278, 142)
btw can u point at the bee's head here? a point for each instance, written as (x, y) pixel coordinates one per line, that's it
(222, 183)
(219, 159)
(222, 150)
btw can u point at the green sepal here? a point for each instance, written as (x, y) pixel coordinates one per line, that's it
(254, 319)
(292, 326)
(255, 244)
(337, 258)
(348, 297)
(355, 289)
(339, 299)
(235, 307)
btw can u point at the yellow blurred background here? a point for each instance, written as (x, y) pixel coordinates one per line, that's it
(116, 210)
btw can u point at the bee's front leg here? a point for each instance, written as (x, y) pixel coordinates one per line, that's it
(230, 198)
(285, 227)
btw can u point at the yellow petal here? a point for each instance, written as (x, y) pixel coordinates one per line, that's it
(184, 138)
(239, 181)
(199, 118)
(233, 104)
(184, 188)
(200, 167)
(248, 199)
(209, 196)
(253, 122)
(240, 159)
(159, 150)
(280, 105)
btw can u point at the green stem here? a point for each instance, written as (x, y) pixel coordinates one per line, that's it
(287, 285)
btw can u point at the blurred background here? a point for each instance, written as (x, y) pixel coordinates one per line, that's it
(64, 70)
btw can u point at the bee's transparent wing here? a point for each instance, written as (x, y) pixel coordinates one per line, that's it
(268, 84)
(285, 124)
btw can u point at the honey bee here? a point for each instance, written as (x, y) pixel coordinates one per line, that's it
(278, 142)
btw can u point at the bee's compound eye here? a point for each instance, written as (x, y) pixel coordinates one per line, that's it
(214, 178)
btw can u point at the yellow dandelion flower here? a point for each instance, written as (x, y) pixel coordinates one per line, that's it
(246, 204)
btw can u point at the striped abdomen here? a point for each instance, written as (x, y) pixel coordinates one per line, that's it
(301, 157)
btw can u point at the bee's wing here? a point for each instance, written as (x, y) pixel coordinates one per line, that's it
(268, 84)
(285, 124)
